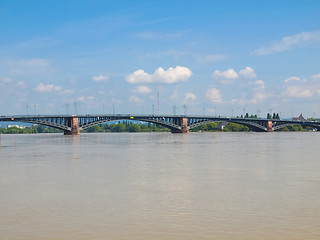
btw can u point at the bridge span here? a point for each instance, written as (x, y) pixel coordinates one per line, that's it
(73, 124)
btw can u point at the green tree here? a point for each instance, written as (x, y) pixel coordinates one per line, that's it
(134, 128)
(120, 127)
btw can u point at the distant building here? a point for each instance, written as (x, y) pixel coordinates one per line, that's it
(300, 118)
(17, 126)
(222, 126)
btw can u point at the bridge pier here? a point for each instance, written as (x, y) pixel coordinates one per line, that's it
(183, 123)
(269, 126)
(73, 123)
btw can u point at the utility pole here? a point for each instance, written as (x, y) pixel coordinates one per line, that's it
(158, 100)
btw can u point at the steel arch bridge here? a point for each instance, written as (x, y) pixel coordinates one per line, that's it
(73, 124)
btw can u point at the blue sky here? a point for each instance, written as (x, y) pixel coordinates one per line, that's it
(214, 57)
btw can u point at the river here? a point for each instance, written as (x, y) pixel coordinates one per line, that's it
(156, 186)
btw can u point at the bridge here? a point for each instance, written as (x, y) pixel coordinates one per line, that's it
(73, 124)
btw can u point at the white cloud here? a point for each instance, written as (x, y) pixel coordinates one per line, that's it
(259, 94)
(297, 92)
(170, 76)
(190, 96)
(316, 77)
(214, 95)
(135, 99)
(225, 77)
(259, 97)
(289, 42)
(292, 79)
(100, 78)
(139, 76)
(248, 72)
(260, 83)
(47, 88)
(142, 89)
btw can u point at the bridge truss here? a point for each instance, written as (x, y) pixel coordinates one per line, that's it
(73, 124)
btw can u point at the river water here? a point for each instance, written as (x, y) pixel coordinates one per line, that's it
(160, 186)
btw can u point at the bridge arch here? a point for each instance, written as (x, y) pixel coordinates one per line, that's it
(255, 126)
(46, 123)
(162, 123)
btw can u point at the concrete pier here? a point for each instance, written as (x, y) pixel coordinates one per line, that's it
(183, 123)
(72, 122)
(269, 126)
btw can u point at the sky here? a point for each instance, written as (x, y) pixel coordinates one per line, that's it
(222, 58)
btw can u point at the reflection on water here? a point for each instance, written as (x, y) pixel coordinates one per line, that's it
(160, 186)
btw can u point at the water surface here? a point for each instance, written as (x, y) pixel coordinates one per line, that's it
(160, 186)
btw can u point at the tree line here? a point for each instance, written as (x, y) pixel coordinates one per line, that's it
(128, 126)
(29, 130)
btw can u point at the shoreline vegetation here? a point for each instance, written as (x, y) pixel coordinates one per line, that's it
(127, 126)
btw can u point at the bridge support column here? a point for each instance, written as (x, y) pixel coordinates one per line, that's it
(183, 123)
(269, 126)
(72, 122)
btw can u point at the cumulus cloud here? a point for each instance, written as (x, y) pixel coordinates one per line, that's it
(289, 42)
(225, 77)
(259, 97)
(260, 83)
(135, 99)
(170, 76)
(228, 74)
(259, 94)
(47, 88)
(100, 78)
(297, 92)
(292, 79)
(248, 72)
(190, 96)
(142, 89)
(214, 95)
